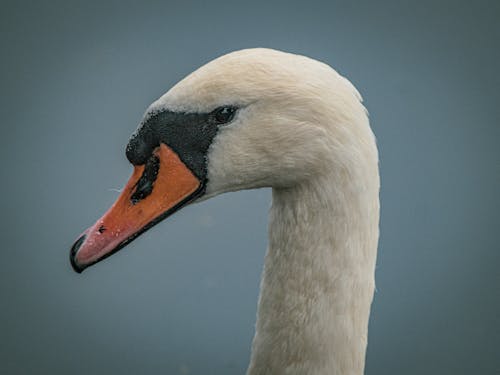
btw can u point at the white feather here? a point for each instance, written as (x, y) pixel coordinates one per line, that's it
(302, 130)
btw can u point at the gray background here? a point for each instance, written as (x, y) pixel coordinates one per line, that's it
(75, 80)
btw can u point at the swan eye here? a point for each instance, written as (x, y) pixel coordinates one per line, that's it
(223, 115)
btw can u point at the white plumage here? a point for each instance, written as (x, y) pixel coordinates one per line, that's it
(302, 130)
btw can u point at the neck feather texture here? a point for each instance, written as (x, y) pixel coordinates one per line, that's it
(318, 279)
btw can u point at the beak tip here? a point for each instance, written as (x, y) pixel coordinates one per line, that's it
(77, 268)
(72, 254)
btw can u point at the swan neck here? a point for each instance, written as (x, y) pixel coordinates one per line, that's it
(318, 279)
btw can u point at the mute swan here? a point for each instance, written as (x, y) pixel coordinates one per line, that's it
(263, 118)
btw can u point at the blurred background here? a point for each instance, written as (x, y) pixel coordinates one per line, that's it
(76, 78)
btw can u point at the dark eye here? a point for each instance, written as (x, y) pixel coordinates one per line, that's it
(223, 115)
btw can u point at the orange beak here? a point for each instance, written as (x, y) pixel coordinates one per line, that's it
(154, 191)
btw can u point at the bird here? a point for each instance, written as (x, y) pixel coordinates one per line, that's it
(256, 118)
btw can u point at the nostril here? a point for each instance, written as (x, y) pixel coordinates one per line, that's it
(74, 251)
(144, 186)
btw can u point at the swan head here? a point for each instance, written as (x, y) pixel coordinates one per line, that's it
(249, 119)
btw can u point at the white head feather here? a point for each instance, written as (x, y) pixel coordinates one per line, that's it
(298, 118)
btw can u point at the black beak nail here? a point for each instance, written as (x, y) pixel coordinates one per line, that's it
(72, 254)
